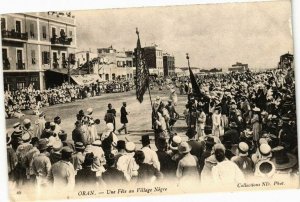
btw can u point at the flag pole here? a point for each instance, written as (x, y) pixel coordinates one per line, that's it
(190, 112)
(148, 83)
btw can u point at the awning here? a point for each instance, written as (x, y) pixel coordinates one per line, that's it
(86, 79)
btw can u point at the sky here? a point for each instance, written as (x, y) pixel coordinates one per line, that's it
(214, 35)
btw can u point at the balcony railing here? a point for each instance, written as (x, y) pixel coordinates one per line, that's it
(61, 40)
(14, 35)
(20, 65)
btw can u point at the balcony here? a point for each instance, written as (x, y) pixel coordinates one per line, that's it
(14, 35)
(20, 65)
(61, 41)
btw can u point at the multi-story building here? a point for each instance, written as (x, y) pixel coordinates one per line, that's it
(153, 59)
(169, 65)
(33, 44)
(286, 61)
(238, 67)
(114, 64)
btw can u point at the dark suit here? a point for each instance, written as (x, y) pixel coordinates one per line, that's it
(123, 120)
(124, 115)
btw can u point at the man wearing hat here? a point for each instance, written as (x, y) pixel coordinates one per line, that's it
(62, 172)
(172, 113)
(99, 157)
(197, 148)
(232, 134)
(188, 167)
(28, 128)
(57, 121)
(285, 163)
(41, 164)
(66, 142)
(256, 124)
(21, 153)
(264, 152)
(40, 125)
(242, 160)
(12, 159)
(147, 173)
(121, 147)
(78, 135)
(113, 176)
(77, 156)
(150, 155)
(216, 122)
(167, 165)
(210, 162)
(124, 119)
(209, 143)
(86, 176)
(110, 115)
(55, 153)
(16, 135)
(174, 142)
(126, 162)
(29, 159)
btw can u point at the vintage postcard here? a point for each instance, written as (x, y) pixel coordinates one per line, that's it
(149, 101)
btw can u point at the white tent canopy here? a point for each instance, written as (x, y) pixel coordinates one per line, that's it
(86, 79)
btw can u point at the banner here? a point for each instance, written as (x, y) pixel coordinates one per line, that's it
(195, 86)
(142, 72)
(86, 79)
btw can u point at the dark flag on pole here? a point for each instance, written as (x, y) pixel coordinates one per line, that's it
(142, 72)
(195, 86)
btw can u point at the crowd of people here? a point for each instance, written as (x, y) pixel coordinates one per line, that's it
(31, 99)
(241, 125)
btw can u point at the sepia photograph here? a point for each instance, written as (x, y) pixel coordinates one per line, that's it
(146, 101)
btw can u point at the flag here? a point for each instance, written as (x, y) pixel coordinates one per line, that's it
(196, 90)
(142, 72)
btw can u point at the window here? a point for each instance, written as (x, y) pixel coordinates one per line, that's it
(53, 32)
(44, 32)
(70, 33)
(55, 60)
(33, 57)
(72, 58)
(3, 23)
(18, 26)
(31, 30)
(45, 57)
(63, 59)
(20, 64)
(6, 64)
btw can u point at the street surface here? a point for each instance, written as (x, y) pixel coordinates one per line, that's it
(139, 117)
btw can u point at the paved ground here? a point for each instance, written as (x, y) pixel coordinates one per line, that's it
(139, 117)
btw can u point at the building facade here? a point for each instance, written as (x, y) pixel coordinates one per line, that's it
(286, 61)
(114, 65)
(169, 65)
(153, 59)
(34, 43)
(238, 67)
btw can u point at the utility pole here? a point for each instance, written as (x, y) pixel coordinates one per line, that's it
(69, 61)
(88, 61)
